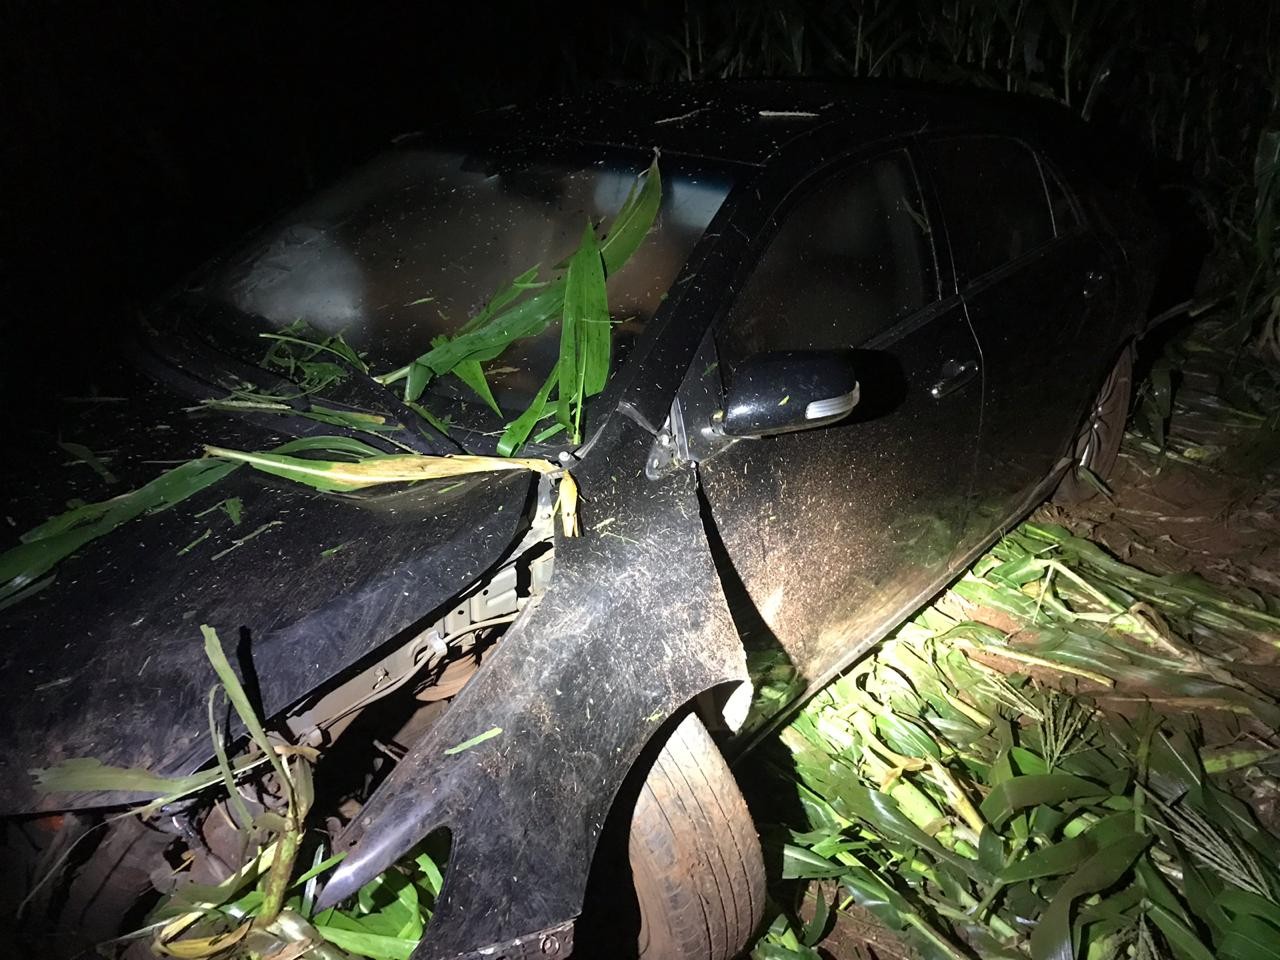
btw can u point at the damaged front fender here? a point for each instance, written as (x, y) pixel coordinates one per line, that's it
(633, 626)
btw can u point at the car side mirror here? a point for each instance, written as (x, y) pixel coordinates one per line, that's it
(776, 393)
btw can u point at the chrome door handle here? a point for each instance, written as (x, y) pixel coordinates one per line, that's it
(954, 375)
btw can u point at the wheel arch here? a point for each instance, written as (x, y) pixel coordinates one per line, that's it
(526, 764)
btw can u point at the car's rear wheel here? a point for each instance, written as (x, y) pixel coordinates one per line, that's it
(1097, 445)
(695, 856)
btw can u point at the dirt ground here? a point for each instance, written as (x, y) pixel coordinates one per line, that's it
(1210, 504)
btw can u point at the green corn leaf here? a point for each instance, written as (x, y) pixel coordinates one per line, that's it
(242, 816)
(239, 699)
(1184, 941)
(87, 774)
(1201, 889)
(442, 425)
(201, 897)
(419, 376)
(991, 851)
(351, 419)
(801, 864)
(1249, 938)
(13, 597)
(525, 318)
(1155, 886)
(281, 357)
(475, 741)
(902, 736)
(504, 298)
(322, 867)
(372, 945)
(47, 545)
(1006, 601)
(472, 374)
(567, 363)
(1116, 907)
(345, 446)
(1051, 861)
(635, 217)
(884, 814)
(1051, 939)
(595, 337)
(1027, 762)
(432, 879)
(543, 436)
(1029, 791)
(312, 473)
(411, 927)
(1019, 571)
(776, 951)
(518, 430)
(89, 458)
(872, 893)
(816, 928)
(527, 307)
(1243, 903)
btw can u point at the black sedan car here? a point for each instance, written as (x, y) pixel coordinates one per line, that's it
(868, 328)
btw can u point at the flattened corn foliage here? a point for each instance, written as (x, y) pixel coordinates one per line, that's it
(1042, 789)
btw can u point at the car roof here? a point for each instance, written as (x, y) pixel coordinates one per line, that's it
(754, 122)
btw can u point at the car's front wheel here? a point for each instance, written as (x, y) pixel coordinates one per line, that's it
(695, 856)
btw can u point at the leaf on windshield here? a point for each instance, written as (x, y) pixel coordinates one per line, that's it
(527, 306)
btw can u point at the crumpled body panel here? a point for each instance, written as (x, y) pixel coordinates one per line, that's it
(633, 626)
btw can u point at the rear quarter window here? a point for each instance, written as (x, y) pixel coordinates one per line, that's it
(994, 201)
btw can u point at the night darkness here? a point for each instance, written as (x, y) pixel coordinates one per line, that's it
(1111, 644)
(143, 138)
(140, 139)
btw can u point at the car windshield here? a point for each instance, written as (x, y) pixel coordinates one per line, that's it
(415, 243)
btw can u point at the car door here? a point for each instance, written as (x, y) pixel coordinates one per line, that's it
(1038, 293)
(836, 532)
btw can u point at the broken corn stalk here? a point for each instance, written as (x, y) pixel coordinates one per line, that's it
(346, 476)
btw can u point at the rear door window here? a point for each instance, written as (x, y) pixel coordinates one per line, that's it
(993, 197)
(852, 255)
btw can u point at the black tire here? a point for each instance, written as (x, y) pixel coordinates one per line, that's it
(1097, 444)
(100, 886)
(695, 856)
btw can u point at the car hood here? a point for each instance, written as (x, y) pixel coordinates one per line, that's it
(107, 660)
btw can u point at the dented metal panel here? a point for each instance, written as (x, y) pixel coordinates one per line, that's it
(632, 627)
